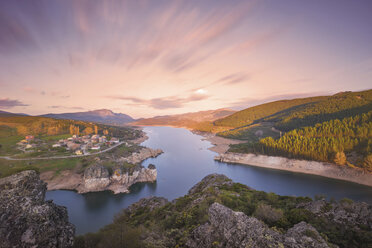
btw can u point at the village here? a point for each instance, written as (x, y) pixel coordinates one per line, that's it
(78, 145)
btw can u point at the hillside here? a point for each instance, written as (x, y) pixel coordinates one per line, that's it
(219, 213)
(336, 129)
(103, 116)
(290, 114)
(189, 120)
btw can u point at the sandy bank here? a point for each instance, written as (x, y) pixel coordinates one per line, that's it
(221, 145)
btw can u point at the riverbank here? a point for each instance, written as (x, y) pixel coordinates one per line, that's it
(221, 146)
(121, 179)
(76, 180)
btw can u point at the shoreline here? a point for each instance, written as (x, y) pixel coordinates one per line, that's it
(221, 146)
(71, 180)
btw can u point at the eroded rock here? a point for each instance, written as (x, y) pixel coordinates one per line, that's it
(26, 219)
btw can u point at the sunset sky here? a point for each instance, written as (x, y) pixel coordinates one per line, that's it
(154, 57)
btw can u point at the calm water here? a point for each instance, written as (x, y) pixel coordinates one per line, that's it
(185, 161)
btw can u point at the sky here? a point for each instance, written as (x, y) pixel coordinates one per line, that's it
(156, 57)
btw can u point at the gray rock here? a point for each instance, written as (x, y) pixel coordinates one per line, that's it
(212, 180)
(26, 219)
(227, 228)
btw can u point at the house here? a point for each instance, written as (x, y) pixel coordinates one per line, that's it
(29, 138)
(79, 152)
(73, 146)
(75, 136)
(114, 140)
(28, 146)
(56, 145)
(96, 148)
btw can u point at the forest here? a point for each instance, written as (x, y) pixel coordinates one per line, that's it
(338, 141)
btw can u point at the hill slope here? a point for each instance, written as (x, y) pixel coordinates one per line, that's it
(104, 116)
(296, 113)
(185, 120)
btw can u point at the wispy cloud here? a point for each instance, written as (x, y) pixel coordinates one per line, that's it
(233, 78)
(163, 102)
(6, 103)
(64, 107)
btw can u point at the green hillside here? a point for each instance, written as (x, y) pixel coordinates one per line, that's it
(253, 114)
(335, 129)
(337, 141)
(288, 115)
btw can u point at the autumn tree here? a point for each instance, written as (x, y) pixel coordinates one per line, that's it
(95, 129)
(88, 130)
(340, 158)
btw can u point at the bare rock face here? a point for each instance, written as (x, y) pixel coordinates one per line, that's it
(227, 228)
(96, 177)
(121, 180)
(143, 154)
(26, 219)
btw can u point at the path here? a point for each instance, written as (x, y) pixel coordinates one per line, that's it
(60, 157)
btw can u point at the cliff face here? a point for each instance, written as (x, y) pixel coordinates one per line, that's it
(26, 219)
(97, 178)
(143, 154)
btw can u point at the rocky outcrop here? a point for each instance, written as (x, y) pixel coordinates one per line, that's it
(138, 157)
(26, 219)
(227, 228)
(345, 212)
(302, 166)
(97, 178)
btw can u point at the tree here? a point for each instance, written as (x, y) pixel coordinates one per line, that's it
(95, 129)
(340, 158)
(88, 130)
(368, 162)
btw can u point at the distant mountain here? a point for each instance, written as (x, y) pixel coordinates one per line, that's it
(104, 116)
(5, 113)
(185, 120)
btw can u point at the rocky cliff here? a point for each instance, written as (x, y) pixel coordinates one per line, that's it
(98, 178)
(138, 157)
(26, 219)
(217, 212)
(302, 166)
(227, 228)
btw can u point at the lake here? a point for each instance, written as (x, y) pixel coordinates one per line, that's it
(185, 161)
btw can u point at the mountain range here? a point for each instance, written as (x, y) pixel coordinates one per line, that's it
(185, 120)
(104, 116)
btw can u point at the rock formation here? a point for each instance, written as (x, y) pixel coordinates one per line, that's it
(227, 228)
(138, 157)
(26, 219)
(97, 178)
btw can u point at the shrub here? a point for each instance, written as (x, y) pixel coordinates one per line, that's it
(268, 214)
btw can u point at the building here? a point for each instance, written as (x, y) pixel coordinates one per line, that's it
(79, 152)
(96, 148)
(29, 138)
(56, 145)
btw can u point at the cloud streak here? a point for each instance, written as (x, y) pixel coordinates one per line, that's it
(6, 103)
(170, 102)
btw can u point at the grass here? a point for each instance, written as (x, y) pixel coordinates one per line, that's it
(252, 132)
(55, 137)
(9, 144)
(9, 167)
